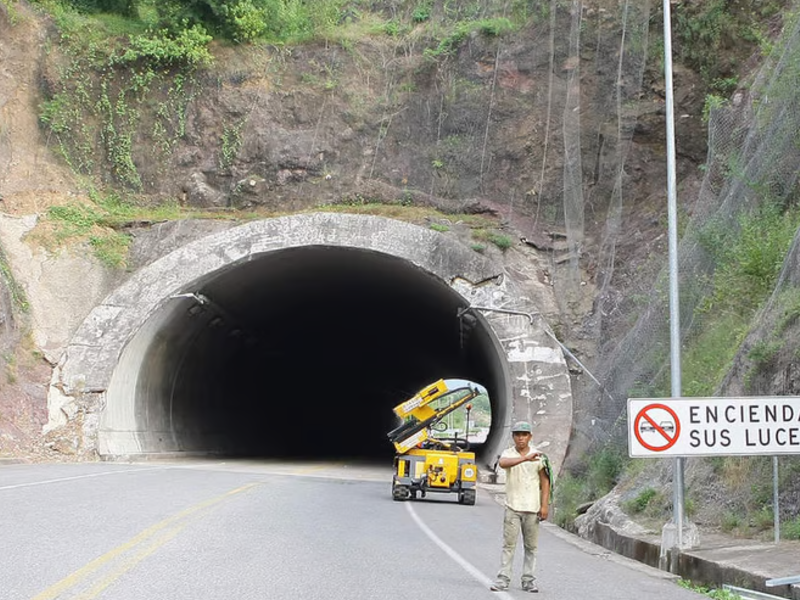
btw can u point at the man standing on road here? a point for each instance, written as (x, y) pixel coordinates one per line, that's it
(527, 501)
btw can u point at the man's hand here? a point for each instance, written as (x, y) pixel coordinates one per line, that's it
(506, 462)
(544, 513)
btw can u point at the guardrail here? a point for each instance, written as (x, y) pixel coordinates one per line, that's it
(791, 580)
(746, 594)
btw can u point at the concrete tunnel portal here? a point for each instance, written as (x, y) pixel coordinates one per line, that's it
(291, 338)
(304, 351)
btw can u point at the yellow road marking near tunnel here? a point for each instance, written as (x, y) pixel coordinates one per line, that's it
(76, 578)
(106, 581)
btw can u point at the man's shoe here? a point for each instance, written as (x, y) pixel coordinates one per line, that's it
(530, 586)
(499, 586)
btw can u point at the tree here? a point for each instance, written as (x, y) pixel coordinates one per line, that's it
(127, 8)
(238, 20)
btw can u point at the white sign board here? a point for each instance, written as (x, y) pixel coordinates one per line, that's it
(713, 426)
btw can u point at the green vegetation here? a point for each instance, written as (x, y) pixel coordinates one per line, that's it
(715, 36)
(296, 21)
(18, 297)
(712, 103)
(11, 11)
(101, 224)
(789, 303)
(480, 415)
(715, 593)
(588, 481)
(501, 241)
(790, 530)
(231, 144)
(110, 87)
(404, 211)
(763, 352)
(748, 257)
(237, 20)
(101, 221)
(748, 482)
(128, 69)
(641, 501)
(460, 31)
(748, 260)
(568, 496)
(165, 48)
(422, 12)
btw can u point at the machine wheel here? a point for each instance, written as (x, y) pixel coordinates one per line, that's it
(400, 492)
(467, 497)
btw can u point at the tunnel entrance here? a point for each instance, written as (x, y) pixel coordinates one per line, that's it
(296, 336)
(301, 352)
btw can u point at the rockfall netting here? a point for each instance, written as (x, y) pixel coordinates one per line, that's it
(561, 125)
(752, 165)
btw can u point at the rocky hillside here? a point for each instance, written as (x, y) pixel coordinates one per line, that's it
(554, 130)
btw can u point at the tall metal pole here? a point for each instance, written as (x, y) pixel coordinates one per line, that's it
(674, 313)
(776, 507)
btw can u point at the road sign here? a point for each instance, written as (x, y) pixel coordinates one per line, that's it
(657, 427)
(713, 426)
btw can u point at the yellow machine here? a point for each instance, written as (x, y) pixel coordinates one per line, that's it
(428, 464)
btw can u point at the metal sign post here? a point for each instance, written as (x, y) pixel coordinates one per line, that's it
(674, 319)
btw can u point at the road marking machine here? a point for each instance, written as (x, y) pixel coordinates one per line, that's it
(425, 463)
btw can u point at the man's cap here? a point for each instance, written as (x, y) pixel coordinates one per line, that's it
(522, 426)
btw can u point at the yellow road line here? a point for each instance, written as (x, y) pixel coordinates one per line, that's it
(84, 572)
(106, 581)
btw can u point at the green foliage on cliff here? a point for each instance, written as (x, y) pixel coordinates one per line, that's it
(714, 37)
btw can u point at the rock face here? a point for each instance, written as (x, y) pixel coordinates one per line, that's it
(493, 127)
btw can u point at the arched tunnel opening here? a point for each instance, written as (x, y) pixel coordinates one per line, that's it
(301, 353)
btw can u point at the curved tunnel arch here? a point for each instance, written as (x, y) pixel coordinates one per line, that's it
(288, 337)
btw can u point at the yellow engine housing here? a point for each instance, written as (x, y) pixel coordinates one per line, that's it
(425, 470)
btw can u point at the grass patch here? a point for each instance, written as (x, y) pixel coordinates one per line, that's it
(715, 593)
(18, 298)
(789, 301)
(588, 481)
(111, 249)
(749, 257)
(417, 215)
(498, 239)
(568, 495)
(709, 354)
(715, 36)
(11, 11)
(790, 530)
(763, 352)
(461, 30)
(640, 503)
(101, 222)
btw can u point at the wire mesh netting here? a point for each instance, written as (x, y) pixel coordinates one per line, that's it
(753, 158)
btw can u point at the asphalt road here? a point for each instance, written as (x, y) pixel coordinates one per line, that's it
(231, 531)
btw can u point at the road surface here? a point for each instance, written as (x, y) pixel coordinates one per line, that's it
(256, 530)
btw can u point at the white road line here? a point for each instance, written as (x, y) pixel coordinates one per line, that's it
(46, 481)
(460, 560)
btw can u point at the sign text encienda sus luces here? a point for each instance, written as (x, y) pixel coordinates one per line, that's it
(713, 426)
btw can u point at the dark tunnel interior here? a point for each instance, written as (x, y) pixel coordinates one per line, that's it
(303, 353)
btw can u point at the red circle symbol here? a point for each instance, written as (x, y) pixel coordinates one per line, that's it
(665, 429)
